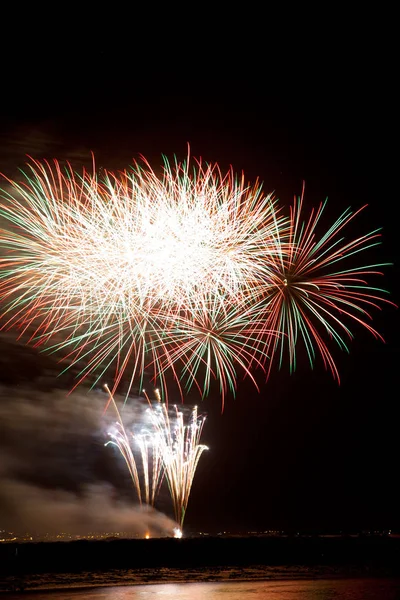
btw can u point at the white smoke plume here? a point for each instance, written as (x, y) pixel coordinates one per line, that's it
(56, 475)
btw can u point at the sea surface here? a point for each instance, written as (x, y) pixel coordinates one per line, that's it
(325, 589)
(230, 583)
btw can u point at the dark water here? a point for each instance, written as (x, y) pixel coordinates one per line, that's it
(349, 589)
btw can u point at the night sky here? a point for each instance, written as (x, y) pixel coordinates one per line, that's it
(304, 453)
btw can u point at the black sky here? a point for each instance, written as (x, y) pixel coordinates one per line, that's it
(304, 453)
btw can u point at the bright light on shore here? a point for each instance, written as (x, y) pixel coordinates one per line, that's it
(177, 533)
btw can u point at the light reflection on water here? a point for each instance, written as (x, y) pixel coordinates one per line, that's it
(354, 589)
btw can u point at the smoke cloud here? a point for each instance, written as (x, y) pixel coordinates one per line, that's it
(56, 475)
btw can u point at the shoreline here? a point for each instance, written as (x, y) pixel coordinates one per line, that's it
(257, 573)
(90, 564)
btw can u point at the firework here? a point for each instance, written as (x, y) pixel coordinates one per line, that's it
(181, 450)
(316, 288)
(147, 483)
(124, 270)
(175, 450)
(191, 275)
